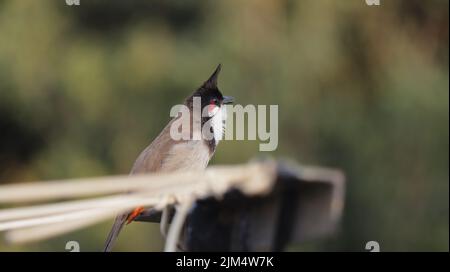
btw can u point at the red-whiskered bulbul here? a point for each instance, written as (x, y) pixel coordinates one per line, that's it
(165, 154)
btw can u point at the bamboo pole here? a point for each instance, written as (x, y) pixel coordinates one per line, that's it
(35, 222)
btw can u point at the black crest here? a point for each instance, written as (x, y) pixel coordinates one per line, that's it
(211, 83)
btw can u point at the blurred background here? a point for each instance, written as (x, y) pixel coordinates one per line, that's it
(83, 89)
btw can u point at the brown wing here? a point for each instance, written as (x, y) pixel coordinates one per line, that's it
(163, 154)
(150, 160)
(166, 154)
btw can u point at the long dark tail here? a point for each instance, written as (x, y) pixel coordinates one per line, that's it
(116, 228)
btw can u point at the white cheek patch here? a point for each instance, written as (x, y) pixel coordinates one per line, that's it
(217, 123)
(212, 110)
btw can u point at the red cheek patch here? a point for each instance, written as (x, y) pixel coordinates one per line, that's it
(211, 107)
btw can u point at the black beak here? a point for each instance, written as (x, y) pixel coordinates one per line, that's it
(228, 100)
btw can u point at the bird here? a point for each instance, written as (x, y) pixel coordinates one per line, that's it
(164, 154)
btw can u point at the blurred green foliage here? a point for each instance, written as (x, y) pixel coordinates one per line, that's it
(84, 89)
